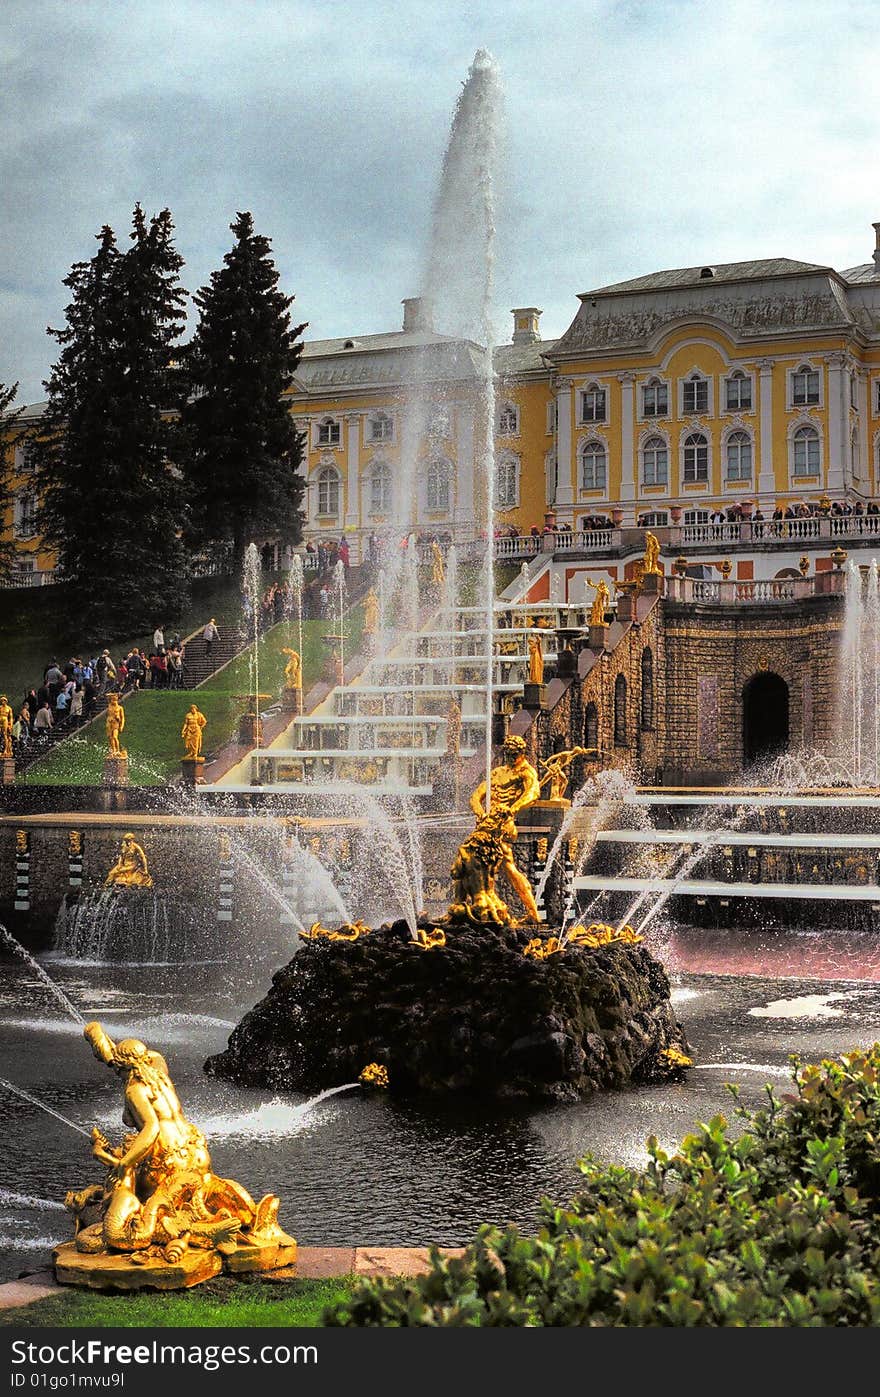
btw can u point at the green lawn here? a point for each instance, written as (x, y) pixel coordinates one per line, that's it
(225, 1302)
(153, 717)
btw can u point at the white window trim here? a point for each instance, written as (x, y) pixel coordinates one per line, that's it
(742, 374)
(645, 437)
(322, 421)
(442, 511)
(592, 439)
(594, 385)
(692, 522)
(315, 480)
(507, 405)
(796, 481)
(874, 401)
(735, 487)
(790, 404)
(661, 382)
(377, 463)
(708, 379)
(372, 417)
(695, 486)
(509, 458)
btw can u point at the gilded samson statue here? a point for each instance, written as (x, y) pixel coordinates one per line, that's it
(489, 850)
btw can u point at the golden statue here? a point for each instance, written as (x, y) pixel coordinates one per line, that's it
(161, 1208)
(114, 725)
(293, 669)
(438, 567)
(555, 770)
(7, 718)
(371, 612)
(191, 732)
(651, 560)
(453, 728)
(489, 850)
(536, 660)
(130, 869)
(601, 601)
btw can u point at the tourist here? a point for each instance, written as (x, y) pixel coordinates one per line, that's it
(30, 702)
(76, 706)
(43, 722)
(159, 640)
(209, 635)
(105, 671)
(175, 669)
(344, 554)
(158, 671)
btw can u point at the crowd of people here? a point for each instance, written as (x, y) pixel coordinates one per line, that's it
(69, 694)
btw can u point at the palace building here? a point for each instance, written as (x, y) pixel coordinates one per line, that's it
(670, 397)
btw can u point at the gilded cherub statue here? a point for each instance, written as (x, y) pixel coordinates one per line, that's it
(7, 718)
(536, 660)
(438, 567)
(293, 669)
(161, 1205)
(130, 869)
(114, 725)
(371, 612)
(555, 770)
(651, 560)
(191, 732)
(601, 601)
(489, 850)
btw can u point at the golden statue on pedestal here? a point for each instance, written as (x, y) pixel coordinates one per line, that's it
(114, 726)
(191, 732)
(438, 566)
(489, 850)
(293, 669)
(555, 770)
(161, 1208)
(130, 869)
(651, 560)
(371, 612)
(536, 660)
(601, 601)
(7, 718)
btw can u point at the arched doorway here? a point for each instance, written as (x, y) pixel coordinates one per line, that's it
(765, 718)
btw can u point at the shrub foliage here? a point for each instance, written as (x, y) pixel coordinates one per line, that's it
(779, 1226)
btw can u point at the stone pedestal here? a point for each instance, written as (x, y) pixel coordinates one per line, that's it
(598, 635)
(292, 700)
(7, 768)
(192, 770)
(116, 771)
(250, 730)
(500, 728)
(534, 696)
(652, 584)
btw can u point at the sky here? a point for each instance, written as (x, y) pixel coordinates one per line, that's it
(640, 135)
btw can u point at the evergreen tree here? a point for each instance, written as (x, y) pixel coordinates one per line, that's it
(8, 419)
(241, 450)
(110, 502)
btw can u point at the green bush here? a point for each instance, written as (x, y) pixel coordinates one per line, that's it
(779, 1226)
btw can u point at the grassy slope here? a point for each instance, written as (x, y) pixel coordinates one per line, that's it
(154, 717)
(215, 1304)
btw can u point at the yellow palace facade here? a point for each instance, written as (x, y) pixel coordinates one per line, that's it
(668, 398)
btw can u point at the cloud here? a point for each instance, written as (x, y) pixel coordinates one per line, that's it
(640, 136)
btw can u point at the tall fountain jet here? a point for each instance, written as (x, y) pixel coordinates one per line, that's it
(860, 676)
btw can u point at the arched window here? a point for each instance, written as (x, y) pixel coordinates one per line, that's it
(695, 394)
(655, 462)
(381, 427)
(593, 404)
(805, 444)
(805, 386)
(437, 486)
(738, 392)
(696, 457)
(739, 456)
(508, 420)
(647, 688)
(591, 726)
(655, 398)
(328, 491)
(507, 482)
(380, 489)
(329, 432)
(594, 466)
(620, 711)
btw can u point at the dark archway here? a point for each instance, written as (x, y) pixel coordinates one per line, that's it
(765, 718)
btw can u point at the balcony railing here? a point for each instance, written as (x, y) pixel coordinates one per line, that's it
(775, 591)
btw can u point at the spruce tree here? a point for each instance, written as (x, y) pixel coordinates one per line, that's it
(241, 451)
(110, 501)
(8, 419)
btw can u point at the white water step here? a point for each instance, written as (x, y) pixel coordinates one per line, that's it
(826, 892)
(714, 840)
(774, 799)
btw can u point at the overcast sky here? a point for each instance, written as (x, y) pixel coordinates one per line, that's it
(642, 134)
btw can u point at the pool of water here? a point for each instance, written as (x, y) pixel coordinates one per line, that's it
(358, 1169)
